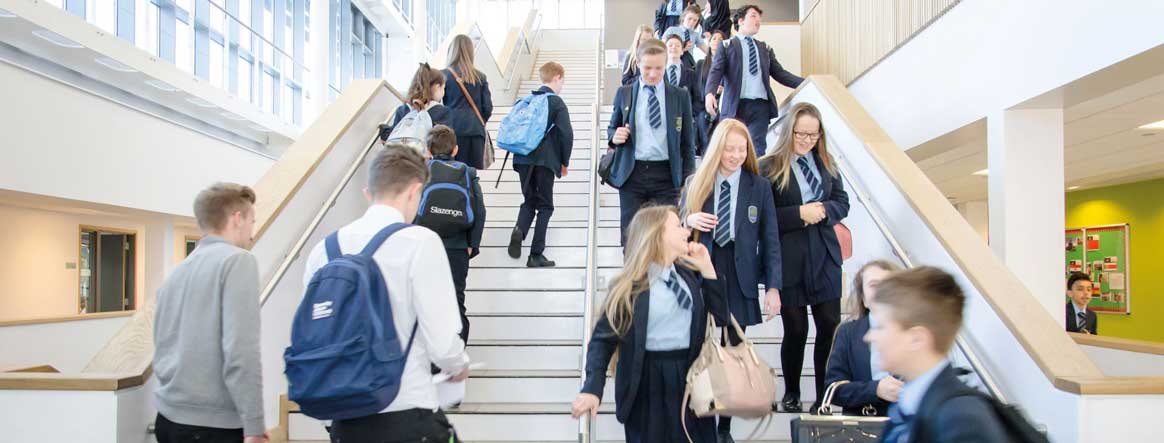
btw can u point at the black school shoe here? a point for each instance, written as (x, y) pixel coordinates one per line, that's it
(791, 404)
(515, 239)
(538, 261)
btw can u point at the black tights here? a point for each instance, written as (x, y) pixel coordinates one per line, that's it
(826, 315)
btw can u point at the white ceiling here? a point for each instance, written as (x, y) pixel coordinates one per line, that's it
(1102, 143)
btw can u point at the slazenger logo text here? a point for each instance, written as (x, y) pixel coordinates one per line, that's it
(450, 212)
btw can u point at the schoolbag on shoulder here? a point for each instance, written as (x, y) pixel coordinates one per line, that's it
(446, 206)
(1014, 422)
(413, 128)
(526, 125)
(345, 359)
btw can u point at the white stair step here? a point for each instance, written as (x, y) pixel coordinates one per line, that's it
(554, 236)
(489, 176)
(528, 279)
(497, 215)
(532, 302)
(561, 200)
(525, 355)
(525, 328)
(560, 188)
(496, 258)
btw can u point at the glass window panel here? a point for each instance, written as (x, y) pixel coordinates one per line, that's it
(571, 14)
(147, 28)
(185, 5)
(268, 92)
(183, 46)
(245, 74)
(244, 12)
(286, 109)
(105, 12)
(217, 19)
(216, 63)
(268, 22)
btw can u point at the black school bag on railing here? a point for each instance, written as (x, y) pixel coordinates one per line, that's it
(607, 161)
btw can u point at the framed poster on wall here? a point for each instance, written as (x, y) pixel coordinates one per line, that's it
(1102, 253)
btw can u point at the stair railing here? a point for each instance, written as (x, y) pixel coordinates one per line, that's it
(585, 423)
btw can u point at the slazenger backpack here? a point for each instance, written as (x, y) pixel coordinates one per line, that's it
(445, 204)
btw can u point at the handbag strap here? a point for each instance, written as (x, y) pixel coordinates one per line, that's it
(468, 97)
(826, 404)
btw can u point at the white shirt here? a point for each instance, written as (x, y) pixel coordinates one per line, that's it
(420, 288)
(668, 324)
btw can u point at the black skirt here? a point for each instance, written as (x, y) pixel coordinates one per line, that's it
(827, 287)
(654, 418)
(471, 151)
(746, 310)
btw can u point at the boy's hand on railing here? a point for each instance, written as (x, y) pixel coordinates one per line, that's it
(584, 403)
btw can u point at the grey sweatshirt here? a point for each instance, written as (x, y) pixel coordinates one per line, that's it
(206, 338)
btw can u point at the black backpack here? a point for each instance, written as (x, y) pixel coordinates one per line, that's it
(446, 205)
(1014, 422)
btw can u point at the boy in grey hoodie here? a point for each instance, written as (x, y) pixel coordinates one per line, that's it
(206, 329)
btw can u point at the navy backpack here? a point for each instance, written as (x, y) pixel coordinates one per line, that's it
(345, 359)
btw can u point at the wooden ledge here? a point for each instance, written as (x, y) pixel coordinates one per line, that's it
(30, 368)
(1123, 344)
(70, 382)
(65, 318)
(1111, 385)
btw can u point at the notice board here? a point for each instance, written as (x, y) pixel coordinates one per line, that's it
(1102, 253)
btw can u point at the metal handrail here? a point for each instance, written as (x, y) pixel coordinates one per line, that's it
(858, 189)
(585, 424)
(523, 42)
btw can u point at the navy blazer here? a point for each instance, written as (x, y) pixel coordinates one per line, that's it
(805, 249)
(728, 68)
(706, 296)
(961, 419)
(629, 73)
(1072, 326)
(690, 82)
(849, 360)
(678, 124)
(757, 235)
(462, 118)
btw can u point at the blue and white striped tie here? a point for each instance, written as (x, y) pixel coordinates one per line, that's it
(809, 177)
(723, 227)
(753, 58)
(681, 295)
(653, 109)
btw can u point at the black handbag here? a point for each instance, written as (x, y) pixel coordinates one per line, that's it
(828, 428)
(604, 167)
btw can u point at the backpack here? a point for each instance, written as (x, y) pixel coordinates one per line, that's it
(345, 359)
(413, 128)
(1014, 422)
(446, 206)
(526, 125)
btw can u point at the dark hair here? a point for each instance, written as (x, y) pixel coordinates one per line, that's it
(395, 169)
(927, 297)
(420, 90)
(710, 58)
(1076, 276)
(742, 12)
(857, 308)
(214, 205)
(672, 36)
(441, 140)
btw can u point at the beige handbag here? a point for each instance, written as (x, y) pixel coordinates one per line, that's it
(729, 380)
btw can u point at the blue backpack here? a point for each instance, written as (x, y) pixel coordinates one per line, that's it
(524, 128)
(345, 359)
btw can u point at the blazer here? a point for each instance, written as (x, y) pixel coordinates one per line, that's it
(689, 81)
(706, 297)
(629, 73)
(849, 360)
(720, 18)
(661, 16)
(1072, 326)
(462, 118)
(728, 68)
(962, 419)
(438, 113)
(757, 237)
(472, 237)
(555, 148)
(678, 124)
(804, 250)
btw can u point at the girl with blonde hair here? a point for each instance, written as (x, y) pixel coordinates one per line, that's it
(466, 95)
(810, 200)
(654, 320)
(729, 205)
(630, 65)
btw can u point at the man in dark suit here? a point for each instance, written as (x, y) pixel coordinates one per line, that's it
(743, 68)
(651, 133)
(1077, 316)
(918, 313)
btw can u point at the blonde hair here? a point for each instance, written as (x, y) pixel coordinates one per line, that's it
(461, 59)
(549, 70)
(632, 54)
(644, 246)
(857, 308)
(702, 183)
(777, 164)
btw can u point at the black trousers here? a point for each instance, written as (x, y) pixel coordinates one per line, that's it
(756, 114)
(649, 183)
(167, 431)
(537, 186)
(826, 315)
(459, 264)
(411, 426)
(471, 150)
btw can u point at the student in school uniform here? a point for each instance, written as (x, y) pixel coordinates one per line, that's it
(718, 17)
(538, 170)
(678, 74)
(1078, 317)
(917, 315)
(729, 206)
(704, 121)
(870, 389)
(654, 321)
(743, 68)
(652, 136)
(630, 65)
(810, 201)
(668, 14)
(688, 31)
(460, 77)
(425, 93)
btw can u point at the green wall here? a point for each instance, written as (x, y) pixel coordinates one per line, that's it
(1141, 205)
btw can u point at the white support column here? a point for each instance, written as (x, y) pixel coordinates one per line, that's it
(420, 28)
(1025, 157)
(318, 62)
(159, 254)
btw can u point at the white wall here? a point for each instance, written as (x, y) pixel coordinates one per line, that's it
(784, 39)
(77, 416)
(987, 55)
(977, 214)
(1120, 363)
(67, 346)
(63, 142)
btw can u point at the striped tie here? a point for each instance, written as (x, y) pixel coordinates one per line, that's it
(686, 36)
(673, 75)
(653, 109)
(1083, 322)
(809, 177)
(723, 228)
(681, 295)
(673, 8)
(753, 59)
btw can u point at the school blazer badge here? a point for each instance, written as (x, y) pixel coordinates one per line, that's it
(678, 124)
(753, 214)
